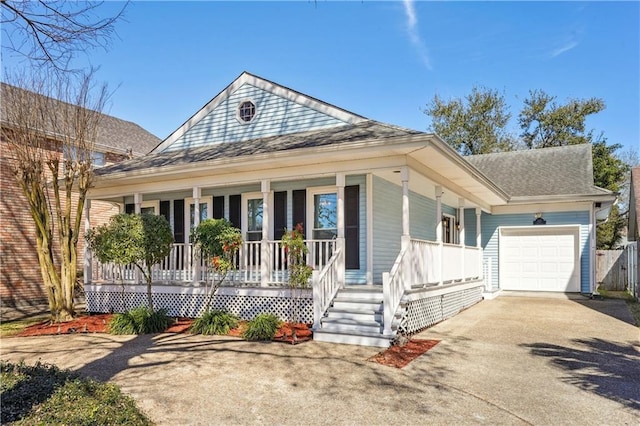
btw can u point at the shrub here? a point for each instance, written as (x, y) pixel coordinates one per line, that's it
(214, 322)
(262, 327)
(44, 394)
(141, 320)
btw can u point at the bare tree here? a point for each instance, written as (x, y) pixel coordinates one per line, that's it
(50, 138)
(50, 32)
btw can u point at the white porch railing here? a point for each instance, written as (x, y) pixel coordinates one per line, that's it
(424, 263)
(325, 285)
(184, 265)
(394, 284)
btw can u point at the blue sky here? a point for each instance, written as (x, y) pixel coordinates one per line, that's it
(383, 60)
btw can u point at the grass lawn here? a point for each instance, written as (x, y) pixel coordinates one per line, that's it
(43, 394)
(11, 328)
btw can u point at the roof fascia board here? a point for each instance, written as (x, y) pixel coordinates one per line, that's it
(445, 149)
(276, 89)
(611, 197)
(312, 155)
(542, 207)
(251, 175)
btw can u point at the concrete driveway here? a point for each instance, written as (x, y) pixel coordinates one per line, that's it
(510, 360)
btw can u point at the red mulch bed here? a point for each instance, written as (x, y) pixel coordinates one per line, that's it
(98, 324)
(83, 324)
(399, 356)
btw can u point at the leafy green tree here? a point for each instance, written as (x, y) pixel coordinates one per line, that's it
(140, 239)
(545, 123)
(609, 172)
(299, 271)
(474, 125)
(218, 242)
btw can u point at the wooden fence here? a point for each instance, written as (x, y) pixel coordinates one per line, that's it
(611, 270)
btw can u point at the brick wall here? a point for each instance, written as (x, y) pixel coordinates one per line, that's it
(20, 278)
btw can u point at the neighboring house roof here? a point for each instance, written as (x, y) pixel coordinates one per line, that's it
(634, 205)
(368, 131)
(548, 172)
(114, 134)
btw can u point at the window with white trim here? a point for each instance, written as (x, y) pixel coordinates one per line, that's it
(246, 112)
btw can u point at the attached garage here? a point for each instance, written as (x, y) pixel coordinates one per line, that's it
(540, 258)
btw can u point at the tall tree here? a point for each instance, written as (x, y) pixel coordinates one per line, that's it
(50, 148)
(51, 32)
(473, 125)
(609, 172)
(545, 123)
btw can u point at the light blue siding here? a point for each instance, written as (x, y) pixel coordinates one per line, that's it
(275, 115)
(491, 223)
(470, 227)
(387, 222)
(387, 226)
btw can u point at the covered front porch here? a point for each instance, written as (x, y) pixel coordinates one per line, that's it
(387, 227)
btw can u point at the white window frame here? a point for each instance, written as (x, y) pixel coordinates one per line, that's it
(244, 211)
(453, 229)
(187, 213)
(311, 193)
(151, 203)
(255, 114)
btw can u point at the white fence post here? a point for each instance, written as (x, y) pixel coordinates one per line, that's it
(317, 299)
(386, 298)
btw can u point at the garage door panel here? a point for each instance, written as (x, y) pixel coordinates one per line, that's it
(540, 259)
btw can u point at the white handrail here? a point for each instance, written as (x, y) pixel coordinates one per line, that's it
(393, 289)
(325, 285)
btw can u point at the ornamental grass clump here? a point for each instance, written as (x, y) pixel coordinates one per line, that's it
(141, 320)
(214, 322)
(262, 327)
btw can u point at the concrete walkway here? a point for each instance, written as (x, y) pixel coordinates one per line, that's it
(510, 360)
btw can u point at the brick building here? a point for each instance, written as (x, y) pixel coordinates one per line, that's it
(20, 279)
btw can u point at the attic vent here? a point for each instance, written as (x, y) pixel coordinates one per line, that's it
(246, 111)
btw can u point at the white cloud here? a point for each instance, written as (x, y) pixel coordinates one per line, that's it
(564, 48)
(414, 34)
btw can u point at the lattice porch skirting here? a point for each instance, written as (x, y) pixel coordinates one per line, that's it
(190, 302)
(431, 306)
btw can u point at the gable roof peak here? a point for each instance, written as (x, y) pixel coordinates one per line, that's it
(278, 90)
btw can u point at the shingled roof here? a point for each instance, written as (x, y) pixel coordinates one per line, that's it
(348, 133)
(566, 170)
(114, 134)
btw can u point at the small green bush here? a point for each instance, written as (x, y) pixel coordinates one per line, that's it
(262, 327)
(214, 322)
(43, 394)
(141, 320)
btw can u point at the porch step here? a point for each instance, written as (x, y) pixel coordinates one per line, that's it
(356, 318)
(363, 339)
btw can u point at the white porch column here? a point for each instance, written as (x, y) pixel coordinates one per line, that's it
(197, 193)
(406, 222)
(478, 230)
(340, 244)
(439, 231)
(479, 241)
(137, 202)
(461, 235)
(88, 272)
(265, 256)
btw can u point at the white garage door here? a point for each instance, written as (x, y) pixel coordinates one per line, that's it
(540, 258)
